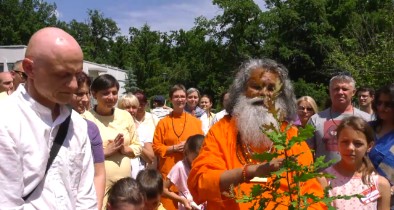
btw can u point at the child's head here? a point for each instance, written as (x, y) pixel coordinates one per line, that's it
(192, 147)
(125, 194)
(151, 183)
(355, 138)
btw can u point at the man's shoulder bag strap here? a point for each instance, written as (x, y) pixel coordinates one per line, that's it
(57, 144)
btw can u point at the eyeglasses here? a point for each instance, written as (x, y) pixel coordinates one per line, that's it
(302, 108)
(21, 73)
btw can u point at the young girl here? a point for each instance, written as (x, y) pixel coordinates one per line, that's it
(354, 172)
(124, 194)
(179, 173)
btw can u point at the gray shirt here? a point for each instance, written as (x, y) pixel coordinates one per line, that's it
(324, 142)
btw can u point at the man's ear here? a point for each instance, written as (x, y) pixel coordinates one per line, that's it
(27, 65)
(354, 92)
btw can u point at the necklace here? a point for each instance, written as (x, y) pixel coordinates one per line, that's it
(173, 128)
(246, 152)
(334, 132)
(332, 118)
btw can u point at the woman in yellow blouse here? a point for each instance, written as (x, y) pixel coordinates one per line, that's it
(117, 129)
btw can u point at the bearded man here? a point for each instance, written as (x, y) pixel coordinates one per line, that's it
(225, 159)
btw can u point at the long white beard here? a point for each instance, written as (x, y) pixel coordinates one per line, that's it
(250, 117)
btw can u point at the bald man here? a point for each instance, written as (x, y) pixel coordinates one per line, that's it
(6, 82)
(30, 120)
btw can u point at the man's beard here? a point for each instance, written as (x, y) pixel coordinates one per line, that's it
(251, 115)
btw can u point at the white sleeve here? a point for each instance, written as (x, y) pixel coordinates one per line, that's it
(86, 197)
(11, 174)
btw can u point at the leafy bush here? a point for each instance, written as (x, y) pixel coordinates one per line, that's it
(319, 92)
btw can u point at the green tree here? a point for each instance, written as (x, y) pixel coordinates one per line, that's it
(131, 82)
(366, 47)
(239, 30)
(144, 55)
(19, 19)
(96, 36)
(103, 31)
(82, 33)
(299, 36)
(120, 54)
(319, 92)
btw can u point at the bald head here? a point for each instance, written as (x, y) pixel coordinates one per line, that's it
(51, 43)
(6, 82)
(52, 60)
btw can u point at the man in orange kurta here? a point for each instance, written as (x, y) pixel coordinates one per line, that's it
(185, 125)
(220, 154)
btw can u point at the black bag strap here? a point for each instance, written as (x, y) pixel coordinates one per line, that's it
(57, 144)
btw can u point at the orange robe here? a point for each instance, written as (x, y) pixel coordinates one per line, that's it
(165, 136)
(219, 154)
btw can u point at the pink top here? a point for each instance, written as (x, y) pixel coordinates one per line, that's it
(178, 176)
(343, 185)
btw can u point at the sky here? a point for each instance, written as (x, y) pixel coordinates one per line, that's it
(160, 15)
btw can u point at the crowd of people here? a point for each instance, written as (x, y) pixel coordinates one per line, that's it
(61, 151)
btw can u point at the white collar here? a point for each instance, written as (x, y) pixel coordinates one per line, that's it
(42, 111)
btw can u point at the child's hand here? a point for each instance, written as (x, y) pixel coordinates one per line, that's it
(186, 203)
(194, 205)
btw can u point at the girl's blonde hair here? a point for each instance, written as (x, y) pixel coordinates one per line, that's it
(310, 100)
(359, 124)
(128, 100)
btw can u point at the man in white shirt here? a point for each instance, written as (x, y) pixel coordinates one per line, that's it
(224, 98)
(29, 122)
(160, 109)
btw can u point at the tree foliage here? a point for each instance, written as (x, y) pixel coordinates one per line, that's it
(19, 19)
(312, 38)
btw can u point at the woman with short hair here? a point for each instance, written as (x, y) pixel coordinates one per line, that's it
(146, 123)
(117, 129)
(192, 100)
(171, 134)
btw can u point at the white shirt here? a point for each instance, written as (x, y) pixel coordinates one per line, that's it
(206, 122)
(146, 130)
(218, 116)
(160, 112)
(27, 132)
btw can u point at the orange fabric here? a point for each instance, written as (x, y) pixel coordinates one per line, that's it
(165, 137)
(219, 154)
